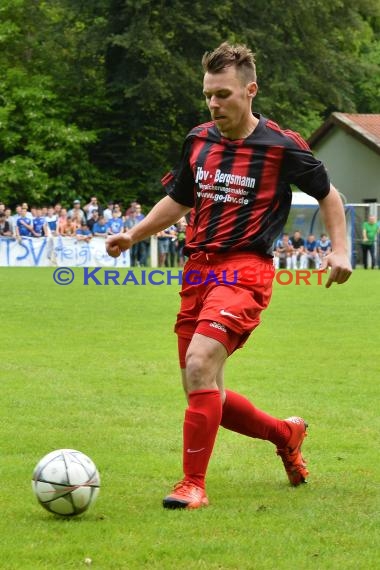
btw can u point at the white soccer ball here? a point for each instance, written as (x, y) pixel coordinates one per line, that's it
(66, 482)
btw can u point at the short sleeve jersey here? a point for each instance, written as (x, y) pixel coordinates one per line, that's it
(38, 224)
(298, 243)
(311, 246)
(115, 225)
(240, 190)
(23, 230)
(324, 246)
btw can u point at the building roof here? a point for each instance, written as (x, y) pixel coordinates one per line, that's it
(365, 128)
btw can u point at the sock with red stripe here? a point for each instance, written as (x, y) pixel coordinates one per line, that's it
(202, 420)
(241, 416)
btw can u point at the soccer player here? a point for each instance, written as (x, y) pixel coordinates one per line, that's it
(235, 174)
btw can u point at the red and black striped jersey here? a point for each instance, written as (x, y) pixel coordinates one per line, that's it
(240, 190)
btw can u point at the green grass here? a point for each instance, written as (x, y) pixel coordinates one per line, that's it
(94, 368)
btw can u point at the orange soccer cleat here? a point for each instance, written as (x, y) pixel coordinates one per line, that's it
(186, 495)
(294, 463)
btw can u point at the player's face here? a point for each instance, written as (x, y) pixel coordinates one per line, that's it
(229, 99)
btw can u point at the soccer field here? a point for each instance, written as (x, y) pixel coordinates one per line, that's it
(94, 368)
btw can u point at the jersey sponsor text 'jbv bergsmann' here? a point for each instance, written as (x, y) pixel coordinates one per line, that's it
(240, 189)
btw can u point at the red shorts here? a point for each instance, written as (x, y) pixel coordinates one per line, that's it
(223, 295)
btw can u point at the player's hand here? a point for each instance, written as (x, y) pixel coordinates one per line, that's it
(340, 268)
(118, 243)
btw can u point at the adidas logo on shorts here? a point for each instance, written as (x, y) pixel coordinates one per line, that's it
(219, 326)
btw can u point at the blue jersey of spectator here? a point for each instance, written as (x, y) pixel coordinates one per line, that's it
(115, 225)
(83, 232)
(311, 245)
(100, 227)
(22, 221)
(51, 220)
(324, 244)
(38, 226)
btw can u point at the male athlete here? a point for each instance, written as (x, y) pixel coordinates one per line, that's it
(235, 174)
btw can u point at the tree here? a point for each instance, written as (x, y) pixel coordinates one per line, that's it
(43, 153)
(98, 96)
(309, 56)
(43, 158)
(154, 84)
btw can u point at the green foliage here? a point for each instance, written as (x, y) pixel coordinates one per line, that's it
(308, 56)
(44, 150)
(44, 158)
(119, 83)
(155, 82)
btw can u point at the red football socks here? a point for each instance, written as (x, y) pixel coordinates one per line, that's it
(241, 416)
(202, 420)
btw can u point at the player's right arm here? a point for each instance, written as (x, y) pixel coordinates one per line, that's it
(164, 214)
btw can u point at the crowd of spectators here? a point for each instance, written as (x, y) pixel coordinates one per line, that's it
(83, 222)
(92, 220)
(295, 252)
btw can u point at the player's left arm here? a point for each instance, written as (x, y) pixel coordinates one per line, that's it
(332, 212)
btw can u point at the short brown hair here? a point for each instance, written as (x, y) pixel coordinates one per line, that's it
(227, 55)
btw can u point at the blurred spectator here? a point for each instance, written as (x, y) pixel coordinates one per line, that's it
(181, 238)
(298, 254)
(94, 218)
(24, 224)
(173, 247)
(369, 232)
(132, 208)
(16, 216)
(283, 253)
(76, 211)
(76, 219)
(57, 209)
(116, 208)
(163, 241)
(69, 228)
(91, 207)
(10, 220)
(29, 212)
(62, 221)
(38, 223)
(108, 211)
(323, 247)
(115, 224)
(139, 249)
(100, 227)
(83, 233)
(51, 222)
(312, 259)
(5, 229)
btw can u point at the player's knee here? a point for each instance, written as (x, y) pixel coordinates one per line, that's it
(199, 371)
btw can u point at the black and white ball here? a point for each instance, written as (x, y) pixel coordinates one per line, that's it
(66, 482)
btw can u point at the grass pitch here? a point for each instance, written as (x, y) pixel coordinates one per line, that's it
(94, 368)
